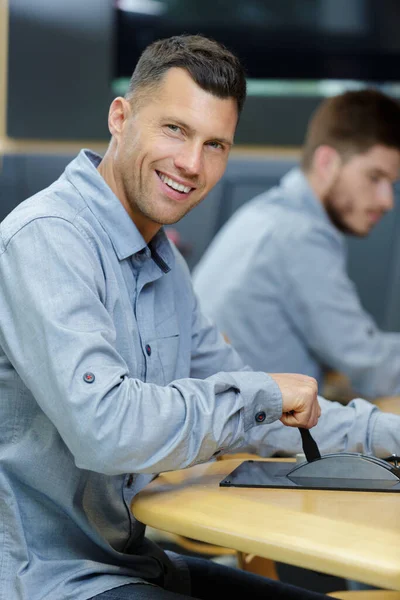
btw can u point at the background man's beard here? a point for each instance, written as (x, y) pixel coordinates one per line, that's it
(336, 218)
(337, 215)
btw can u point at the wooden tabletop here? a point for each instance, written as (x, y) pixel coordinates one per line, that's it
(354, 535)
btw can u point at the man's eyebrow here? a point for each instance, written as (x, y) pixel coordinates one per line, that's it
(187, 127)
(381, 172)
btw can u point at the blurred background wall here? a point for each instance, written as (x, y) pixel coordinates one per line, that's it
(63, 62)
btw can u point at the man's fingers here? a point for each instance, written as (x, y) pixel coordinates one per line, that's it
(299, 420)
(303, 418)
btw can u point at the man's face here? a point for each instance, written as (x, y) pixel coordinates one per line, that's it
(172, 150)
(363, 190)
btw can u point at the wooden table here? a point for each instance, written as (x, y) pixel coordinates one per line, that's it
(355, 535)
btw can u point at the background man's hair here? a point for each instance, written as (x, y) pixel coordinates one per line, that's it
(212, 66)
(352, 123)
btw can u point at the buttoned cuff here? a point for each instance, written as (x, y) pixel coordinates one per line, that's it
(263, 398)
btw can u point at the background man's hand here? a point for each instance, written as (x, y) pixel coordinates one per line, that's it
(300, 406)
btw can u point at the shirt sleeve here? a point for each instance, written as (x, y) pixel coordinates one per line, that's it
(56, 329)
(323, 306)
(358, 427)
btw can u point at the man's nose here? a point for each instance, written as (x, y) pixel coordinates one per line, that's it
(386, 195)
(190, 158)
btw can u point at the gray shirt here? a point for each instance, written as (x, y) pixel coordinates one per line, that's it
(274, 280)
(109, 374)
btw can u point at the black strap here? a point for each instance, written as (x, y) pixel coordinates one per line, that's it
(310, 447)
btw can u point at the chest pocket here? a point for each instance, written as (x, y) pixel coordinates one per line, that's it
(168, 342)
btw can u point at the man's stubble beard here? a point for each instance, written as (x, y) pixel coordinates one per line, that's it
(335, 214)
(149, 210)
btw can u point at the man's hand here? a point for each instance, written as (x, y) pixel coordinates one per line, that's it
(300, 406)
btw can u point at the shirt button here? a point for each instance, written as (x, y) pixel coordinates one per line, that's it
(88, 377)
(148, 349)
(260, 416)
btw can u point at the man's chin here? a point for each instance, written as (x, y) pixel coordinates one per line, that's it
(167, 219)
(347, 228)
(171, 217)
(360, 232)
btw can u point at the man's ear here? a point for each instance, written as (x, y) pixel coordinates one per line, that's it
(326, 164)
(118, 114)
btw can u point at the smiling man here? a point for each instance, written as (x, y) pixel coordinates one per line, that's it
(274, 279)
(109, 373)
(167, 154)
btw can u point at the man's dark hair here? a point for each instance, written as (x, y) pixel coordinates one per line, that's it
(352, 123)
(211, 66)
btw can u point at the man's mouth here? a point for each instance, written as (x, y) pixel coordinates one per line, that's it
(375, 216)
(175, 185)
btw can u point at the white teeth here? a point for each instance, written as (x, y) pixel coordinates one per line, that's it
(174, 184)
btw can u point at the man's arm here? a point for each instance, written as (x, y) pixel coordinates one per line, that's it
(323, 305)
(358, 427)
(55, 330)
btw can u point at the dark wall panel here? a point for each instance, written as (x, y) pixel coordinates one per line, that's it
(60, 69)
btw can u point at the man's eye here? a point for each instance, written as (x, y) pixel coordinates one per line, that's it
(174, 128)
(215, 145)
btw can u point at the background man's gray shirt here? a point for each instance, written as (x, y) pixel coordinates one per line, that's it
(110, 374)
(274, 280)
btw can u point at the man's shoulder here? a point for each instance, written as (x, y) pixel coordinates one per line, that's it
(281, 212)
(275, 214)
(275, 202)
(59, 200)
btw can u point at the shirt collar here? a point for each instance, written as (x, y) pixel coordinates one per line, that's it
(296, 186)
(127, 240)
